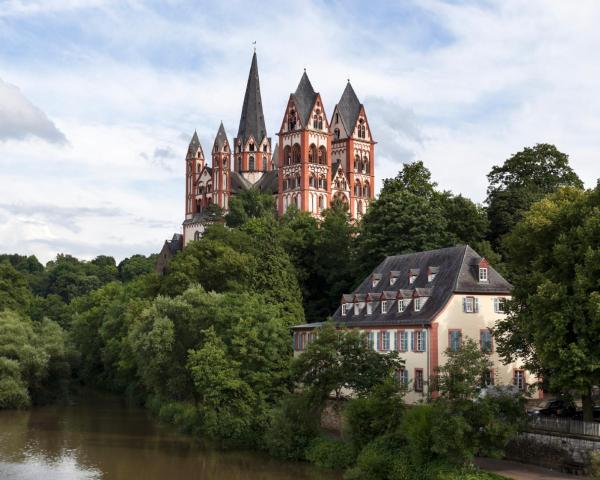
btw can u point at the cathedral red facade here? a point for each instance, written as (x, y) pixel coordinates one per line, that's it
(316, 161)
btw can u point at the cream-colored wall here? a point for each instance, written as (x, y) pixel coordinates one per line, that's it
(453, 317)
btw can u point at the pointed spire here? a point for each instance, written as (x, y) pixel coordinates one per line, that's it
(195, 142)
(349, 107)
(221, 138)
(305, 97)
(252, 120)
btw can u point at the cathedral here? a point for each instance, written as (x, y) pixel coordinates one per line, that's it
(314, 161)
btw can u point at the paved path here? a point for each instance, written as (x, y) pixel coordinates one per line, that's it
(520, 471)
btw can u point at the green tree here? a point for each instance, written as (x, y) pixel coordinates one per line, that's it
(14, 289)
(408, 216)
(553, 324)
(249, 204)
(135, 266)
(521, 181)
(341, 359)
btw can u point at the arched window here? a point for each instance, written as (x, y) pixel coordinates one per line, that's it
(296, 153)
(315, 122)
(265, 147)
(292, 120)
(356, 163)
(251, 146)
(321, 203)
(337, 117)
(298, 181)
(287, 155)
(357, 189)
(251, 163)
(197, 235)
(264, 165)
(366, 190)
(239, 164)
(365, 165)
(312, 153)
(320, 123)
(311, 181)
(322, 155)
(336, 133)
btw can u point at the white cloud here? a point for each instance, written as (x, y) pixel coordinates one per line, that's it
(460, 85)
(20, 119)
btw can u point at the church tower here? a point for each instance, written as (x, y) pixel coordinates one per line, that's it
(221, 165)
(353, 152)
(304, 152)
(252, 145)
(194, 161)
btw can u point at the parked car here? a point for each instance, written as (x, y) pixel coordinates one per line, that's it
(596, 412)
(554, 408)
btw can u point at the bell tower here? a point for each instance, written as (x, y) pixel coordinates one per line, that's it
(194, 163)
(221, 166)
(252, 146)
(304, 153)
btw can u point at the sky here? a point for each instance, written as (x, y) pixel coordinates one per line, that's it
(99, 98)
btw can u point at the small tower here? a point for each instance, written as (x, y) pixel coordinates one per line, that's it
(221, 167)
(353, 148)
(252, 146)
(194, 161)
(304, 152)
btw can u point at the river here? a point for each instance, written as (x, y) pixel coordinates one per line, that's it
(100, 437)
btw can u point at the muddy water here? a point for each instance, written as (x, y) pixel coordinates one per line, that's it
(102, 438)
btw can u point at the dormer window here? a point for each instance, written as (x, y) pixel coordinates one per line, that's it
(343, 309)
(431, 274)
(412, 275)
(375, 279)
(394, 276)
(402, 305)
(369, 308)
(384, 306)
(483, 274)
(418, 303)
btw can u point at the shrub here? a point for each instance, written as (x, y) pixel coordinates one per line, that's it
(13, 392)
(370, 417)
(417, 426)
(330, 453)
(382, 459)
(294, 423)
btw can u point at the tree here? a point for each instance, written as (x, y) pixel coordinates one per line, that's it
(14, 289)
(467, 221)
(247, 205)
(340, 360)
(135, 266)
(407, 217)
(521, 181)
(553, 322)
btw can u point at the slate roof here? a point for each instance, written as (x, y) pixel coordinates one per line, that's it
(349, 107)
(221, 138)
(268, 183)
(198, 217)
(195, 144)
(252, 120)
(304, 98)
(457, 272)
(275, 156)
(238, 182)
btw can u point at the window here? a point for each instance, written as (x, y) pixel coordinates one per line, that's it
(369, 308)
(251, 161)
(483, 274)
(384, 341)
(485, 341)
(343, 309)
(356, 308)
(402, 340)
(487, 378)
(336, 133)
(519, 379)
(454, 340)
(384, 306)
(264, 165)
(393, 278)
(420, 341)
(412, 277)
(402, 305)
(470, 305)
(239, 164)
(402, 377)
(418, 380)
(370, 340)
(499, 305)
(418, 303)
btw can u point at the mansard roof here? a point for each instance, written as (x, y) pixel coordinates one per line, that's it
(252, 120)
(221, 138)
(304, 98)
(349, 108)
(457, 272)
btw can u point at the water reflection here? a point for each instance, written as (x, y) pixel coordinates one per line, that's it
(102, 438)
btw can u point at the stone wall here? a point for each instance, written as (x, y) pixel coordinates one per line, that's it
(564, 453)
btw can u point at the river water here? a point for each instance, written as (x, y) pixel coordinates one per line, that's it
(103, 438)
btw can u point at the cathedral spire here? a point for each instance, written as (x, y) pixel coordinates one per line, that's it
(252, 121)
(349, 107)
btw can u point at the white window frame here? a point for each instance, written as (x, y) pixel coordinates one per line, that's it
(402, 340)
(344, 312)
(393, 280)
(483, 274)
(418, 303)
(419, 341)
(384, 305)
(499, 305)
(470, 301)
(431, 277)
(401, 306)
(411, 278)
(369, 308)
(385, 340)
(356, 308)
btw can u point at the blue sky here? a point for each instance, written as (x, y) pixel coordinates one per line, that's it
(98, 98)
